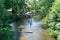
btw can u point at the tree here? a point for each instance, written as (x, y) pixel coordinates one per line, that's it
(40, 6)
(6, 17)
(54, 18)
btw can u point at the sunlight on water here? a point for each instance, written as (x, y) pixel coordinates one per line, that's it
(31, 29)
(32, 22)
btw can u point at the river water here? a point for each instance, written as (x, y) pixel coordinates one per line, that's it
(31, 31)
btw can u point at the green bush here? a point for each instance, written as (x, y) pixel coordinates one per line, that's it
(54, 19)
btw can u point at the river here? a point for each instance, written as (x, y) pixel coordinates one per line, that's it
(32, 31)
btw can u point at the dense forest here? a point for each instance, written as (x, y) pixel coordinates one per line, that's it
(12, 11)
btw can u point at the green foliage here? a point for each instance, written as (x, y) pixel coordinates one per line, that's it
(54, 19)
(6, 17)
(40, 6)
(18, 8)
(8, 4)
(58, 37)
(4, 24)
